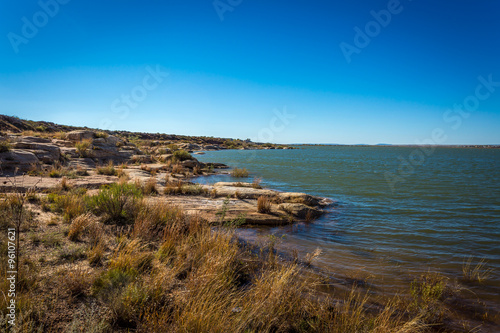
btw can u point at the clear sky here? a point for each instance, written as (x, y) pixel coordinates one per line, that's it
(281, 71)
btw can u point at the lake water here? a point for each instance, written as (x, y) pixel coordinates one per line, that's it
(444, 209)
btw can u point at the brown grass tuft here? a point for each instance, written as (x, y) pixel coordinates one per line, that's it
(263, 205)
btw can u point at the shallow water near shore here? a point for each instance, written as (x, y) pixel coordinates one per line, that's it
(438, 215)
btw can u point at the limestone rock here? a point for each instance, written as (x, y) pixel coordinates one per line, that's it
(299, 210)
(223, 190)
(141, 159)
(295, 197)
(85, 163)
(166, 157)
(79, 135)
(190, 164)
(112, 140)
(63, 143)
(47, 153)
(15, 158)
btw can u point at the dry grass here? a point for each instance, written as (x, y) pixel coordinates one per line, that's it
(150, 187)
(82, 147)
(478, 273)
(177, 168)
(256, 183)
(5, 145)
(76, 282)
(310, 257)
(239, 173)
(71, 204)
(263, 205)
(171, 272)
(107, 170)
(78, 226)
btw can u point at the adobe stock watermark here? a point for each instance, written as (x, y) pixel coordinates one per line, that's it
(223, 6)
(372, 29)
(280, 120)
(454, 118)
(277, 124)
(11, 275)
(48, 9)
(122, 106)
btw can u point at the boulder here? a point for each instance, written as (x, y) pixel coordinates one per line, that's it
(189, 146)
(63, 143)
(33, 139)
(80, 135)
(211, 147)
(299, 210)
(112, 140)
(21, 159)
(106, 153)
(85, 163)
(70, 152)
(141, 159)
(45, 152)
(295, 197)
(190, 164)
(166, 157)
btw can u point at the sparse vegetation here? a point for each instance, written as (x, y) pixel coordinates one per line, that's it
(478, 273)
(5, 146)
(256, 183)
(182, 155)
(239, 173)
(115, 261)
(263, 205)
(117, 203)
(82, 147)
(107, 170)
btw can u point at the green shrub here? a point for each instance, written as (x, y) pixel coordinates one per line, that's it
(101, 135)
(5, 146)
(119, 203)
(182, 155)
(82, 147)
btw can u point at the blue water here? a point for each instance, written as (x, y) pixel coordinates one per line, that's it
(444, 208)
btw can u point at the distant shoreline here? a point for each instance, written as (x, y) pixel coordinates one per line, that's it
(397, 145)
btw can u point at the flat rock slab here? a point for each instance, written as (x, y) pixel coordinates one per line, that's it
(23, 183)
(208, 208)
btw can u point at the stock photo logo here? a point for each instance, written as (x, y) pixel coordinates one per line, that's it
(223, 6)
(122, 106)
(454, 118)
(363, 37)
(31, 26)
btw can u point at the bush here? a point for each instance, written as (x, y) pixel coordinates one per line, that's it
(70, 205)
(263, 205)
(119, 203)
(82, 147)
(182, 155)
(101, 135)
(239, 173)
(149, 187)
(256, 183)
(108, 170)
(5, 146)
(78, 226)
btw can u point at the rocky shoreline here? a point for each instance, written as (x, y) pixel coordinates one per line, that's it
(77, 157)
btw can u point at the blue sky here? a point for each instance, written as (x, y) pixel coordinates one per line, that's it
(235, 67)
